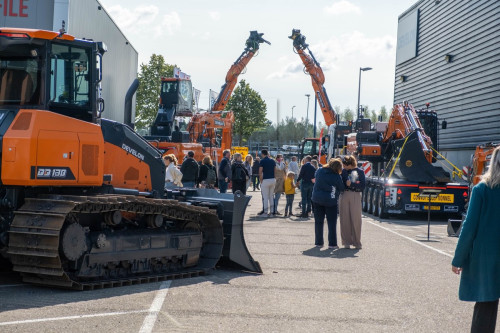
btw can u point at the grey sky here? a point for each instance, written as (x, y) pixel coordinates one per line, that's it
(205, 37)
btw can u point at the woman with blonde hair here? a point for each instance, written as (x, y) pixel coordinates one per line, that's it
(248, 165)
(173, 175)
(477, 255)
(208, 173)
(350, 203)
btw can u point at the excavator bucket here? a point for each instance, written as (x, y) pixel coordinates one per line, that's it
(414, 166)
(231, 210)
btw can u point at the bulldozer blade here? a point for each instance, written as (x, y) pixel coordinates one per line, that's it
(235, 253)
(414, 166)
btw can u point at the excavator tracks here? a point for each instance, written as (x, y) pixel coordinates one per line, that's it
(88, 242)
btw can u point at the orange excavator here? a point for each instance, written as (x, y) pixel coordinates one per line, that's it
(336, 130)
(480, 162)
(82, 199)
(207, 132)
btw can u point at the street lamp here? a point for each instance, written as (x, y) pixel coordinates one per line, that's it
(292, 111)
(361, 69)
(307, 116)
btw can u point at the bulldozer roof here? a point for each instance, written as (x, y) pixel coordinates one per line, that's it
(34, 33)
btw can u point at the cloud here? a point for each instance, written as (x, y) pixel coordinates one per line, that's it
(145, 18)
(342, 7)
(171, 22)
(214, 16)
(139, 16)
(341, 51)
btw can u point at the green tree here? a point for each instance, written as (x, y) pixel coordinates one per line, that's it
(348, 114)
(148, 94)
(249, 111)
(383, 113)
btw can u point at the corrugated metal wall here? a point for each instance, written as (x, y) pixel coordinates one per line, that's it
(465, 91)
(86, 20)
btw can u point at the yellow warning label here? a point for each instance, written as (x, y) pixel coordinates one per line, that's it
(442, 198)
(432, 208)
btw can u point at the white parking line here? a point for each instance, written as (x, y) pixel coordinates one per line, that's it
(412, 240)
(150, 320)
(17, 322)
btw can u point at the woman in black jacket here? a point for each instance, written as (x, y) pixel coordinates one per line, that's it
(325, 194)
(207, 178)
(239, 174)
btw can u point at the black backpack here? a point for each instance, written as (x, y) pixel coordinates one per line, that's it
(238, 173)
(211, 176)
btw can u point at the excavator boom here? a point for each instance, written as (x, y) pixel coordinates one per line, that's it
(313, 68)
(252, 45)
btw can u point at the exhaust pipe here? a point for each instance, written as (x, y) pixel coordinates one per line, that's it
(128, 103)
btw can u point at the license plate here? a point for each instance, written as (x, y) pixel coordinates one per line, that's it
(441, 198)
(432, 208)
(451, 209)
(412, 207)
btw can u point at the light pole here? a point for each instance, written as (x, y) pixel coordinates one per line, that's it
(361, 69)
(307, 116)
(292, 111)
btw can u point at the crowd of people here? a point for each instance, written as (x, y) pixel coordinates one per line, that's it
(327, 191)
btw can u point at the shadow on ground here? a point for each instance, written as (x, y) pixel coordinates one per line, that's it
(329, 253)
(17, 295)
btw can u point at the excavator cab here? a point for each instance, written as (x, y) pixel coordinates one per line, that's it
(176, 100)
(177, 93)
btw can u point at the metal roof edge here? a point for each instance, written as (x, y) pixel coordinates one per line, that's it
(116, 25)
(406, 12)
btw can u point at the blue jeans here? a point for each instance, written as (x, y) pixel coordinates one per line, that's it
(188, 184)
(277, 197)
(319, 220)
(289, 203)
(222, 186)
(306, 191)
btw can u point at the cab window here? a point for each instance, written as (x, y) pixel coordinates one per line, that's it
(69, 76)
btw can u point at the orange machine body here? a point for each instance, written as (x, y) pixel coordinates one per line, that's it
(43, 148)
(480, 161)
(403, 121)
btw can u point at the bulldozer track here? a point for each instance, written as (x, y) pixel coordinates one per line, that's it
(36, 231)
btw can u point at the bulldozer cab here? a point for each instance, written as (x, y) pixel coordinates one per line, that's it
(178, 94)
(54, 74)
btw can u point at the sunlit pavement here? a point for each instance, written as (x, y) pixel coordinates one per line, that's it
(398, 282)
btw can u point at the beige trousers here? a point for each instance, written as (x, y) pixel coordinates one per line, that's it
(350, 218)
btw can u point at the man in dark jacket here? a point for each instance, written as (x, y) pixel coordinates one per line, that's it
(224, 172)
(255, 173)
(306, 177)
(190, 170)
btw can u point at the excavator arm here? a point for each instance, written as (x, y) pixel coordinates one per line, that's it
(251, 47)
(313, 68)
(404, 121)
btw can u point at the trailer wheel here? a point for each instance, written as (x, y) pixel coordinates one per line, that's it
(381, 212)
(376, 194)
(364, 205)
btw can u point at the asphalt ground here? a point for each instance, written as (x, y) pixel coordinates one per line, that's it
(398, 282)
